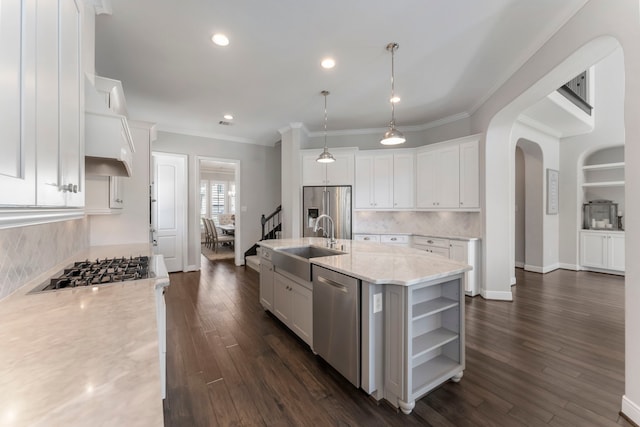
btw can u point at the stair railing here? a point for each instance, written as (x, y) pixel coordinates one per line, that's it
(271, 228)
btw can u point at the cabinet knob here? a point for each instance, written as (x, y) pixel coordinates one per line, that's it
(461, 203)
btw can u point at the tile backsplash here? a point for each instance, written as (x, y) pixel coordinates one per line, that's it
(446, 224)
(26, 252)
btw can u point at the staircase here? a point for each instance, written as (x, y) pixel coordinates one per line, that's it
(271, 229)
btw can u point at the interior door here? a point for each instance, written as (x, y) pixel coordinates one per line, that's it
(168, 226)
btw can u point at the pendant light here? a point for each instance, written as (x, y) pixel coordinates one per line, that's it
(393, 136)
(325, 156)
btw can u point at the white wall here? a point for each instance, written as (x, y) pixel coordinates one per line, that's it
(590, 35)
(259, 183)
(609, 131)
(519, 237)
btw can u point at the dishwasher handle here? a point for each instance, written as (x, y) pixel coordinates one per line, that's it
(339, 286)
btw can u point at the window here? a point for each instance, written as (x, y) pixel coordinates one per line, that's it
(217, 197)
(203, 197)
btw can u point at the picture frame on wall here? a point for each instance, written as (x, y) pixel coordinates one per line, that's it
(552, 191)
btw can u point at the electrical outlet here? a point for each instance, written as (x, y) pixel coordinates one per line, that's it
(377, 303)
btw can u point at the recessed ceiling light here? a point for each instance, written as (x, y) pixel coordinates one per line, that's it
(328, 63)
(228, 117)
(220, 39)
(395, 99)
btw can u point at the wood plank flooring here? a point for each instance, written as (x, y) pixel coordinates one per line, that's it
(553, 357)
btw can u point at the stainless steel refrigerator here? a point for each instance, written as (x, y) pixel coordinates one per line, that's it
(334, 201)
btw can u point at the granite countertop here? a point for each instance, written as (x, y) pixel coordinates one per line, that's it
(82, 356)
(378, 263)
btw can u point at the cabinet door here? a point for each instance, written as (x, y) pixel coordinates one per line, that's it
(403, 180)
(458, 251)
(116, 192)
(302, 312)
(383, 181)
(266, 284)
(71, 139)
(593, 250)
(426, 185)
(282, 298)
(313, 173)
(58, 105)
(615, 252)
(448, 178)
(469, 175)
(364, 182)
(17, 115)
(340, 172)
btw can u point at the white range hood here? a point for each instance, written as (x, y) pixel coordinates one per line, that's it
(108, 142)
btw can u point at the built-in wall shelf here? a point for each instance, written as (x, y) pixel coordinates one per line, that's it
(603, 184)
(604, 166)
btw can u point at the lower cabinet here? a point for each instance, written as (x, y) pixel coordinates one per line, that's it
(602, 250)
(293, 305)
(266, 284)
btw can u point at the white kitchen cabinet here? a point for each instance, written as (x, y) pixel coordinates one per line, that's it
(438, 177)
(339, 172)
(469, 175)
(447, 175)
(425, 348)
(367, 237)
(293, 305)
(404, 180)
(601, 250)
(433, 245)
(374, 181)
(104, 194)
(266, 281)
(45, 163)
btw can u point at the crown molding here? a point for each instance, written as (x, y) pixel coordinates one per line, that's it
(102, 7)
(212, 135)
(292, 126)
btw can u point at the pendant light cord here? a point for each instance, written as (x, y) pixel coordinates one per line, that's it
(394, 46)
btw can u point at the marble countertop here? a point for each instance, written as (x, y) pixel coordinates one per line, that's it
(451, 237)
(82, 356)
(378, 263)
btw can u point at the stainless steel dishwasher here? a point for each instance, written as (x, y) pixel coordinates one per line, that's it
(336, 321)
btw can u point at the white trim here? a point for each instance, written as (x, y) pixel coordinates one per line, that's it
(519, 264)
(497, 295)
(20, 217)
(566, 266)
(191, 267)
(536, 125)
(101, 7)
(513, 281)
(533, 268)
(630, 409)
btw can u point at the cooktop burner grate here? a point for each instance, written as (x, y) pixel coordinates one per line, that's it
(100, 271)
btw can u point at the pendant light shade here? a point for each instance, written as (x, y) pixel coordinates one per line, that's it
(325, 156)
(392, 136)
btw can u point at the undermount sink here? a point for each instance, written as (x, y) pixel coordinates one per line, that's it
(296, 260)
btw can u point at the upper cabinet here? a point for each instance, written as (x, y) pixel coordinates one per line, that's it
(384, 179)
(448, 175)
(339, 172)
(43, 105)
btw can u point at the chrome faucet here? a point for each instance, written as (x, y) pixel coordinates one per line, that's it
(332, 236)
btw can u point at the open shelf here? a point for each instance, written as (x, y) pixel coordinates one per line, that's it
(424, 375)
(426, 342)
(433, 306)
(604, 166)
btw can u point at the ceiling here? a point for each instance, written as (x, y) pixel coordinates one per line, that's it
(453, 55)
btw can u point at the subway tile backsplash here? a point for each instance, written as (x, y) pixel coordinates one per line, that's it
(446, 224)
(26, 252)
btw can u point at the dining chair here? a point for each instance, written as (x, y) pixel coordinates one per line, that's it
(220, 239)
(208, 236)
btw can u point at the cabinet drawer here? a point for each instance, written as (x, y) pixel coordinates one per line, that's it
(367, 238)
(431, 241)
(266, 253)
(394, 239)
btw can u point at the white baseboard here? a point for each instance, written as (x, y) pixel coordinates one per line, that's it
(519, 264)
(566, 266)
(191, 267)
(513, 281)
(631, 410)
(538, 269)
(497, 295)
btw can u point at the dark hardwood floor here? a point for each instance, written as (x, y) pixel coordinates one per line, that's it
(553, 357)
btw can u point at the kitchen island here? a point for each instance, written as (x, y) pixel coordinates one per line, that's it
(86, 356)
(411, 312)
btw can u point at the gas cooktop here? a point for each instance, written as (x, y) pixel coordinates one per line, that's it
(98, 272)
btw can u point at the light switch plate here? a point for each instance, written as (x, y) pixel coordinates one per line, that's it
(377, 303)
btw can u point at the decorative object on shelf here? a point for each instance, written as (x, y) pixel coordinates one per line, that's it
(325, 156)
(393, 136)
(552, 191)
